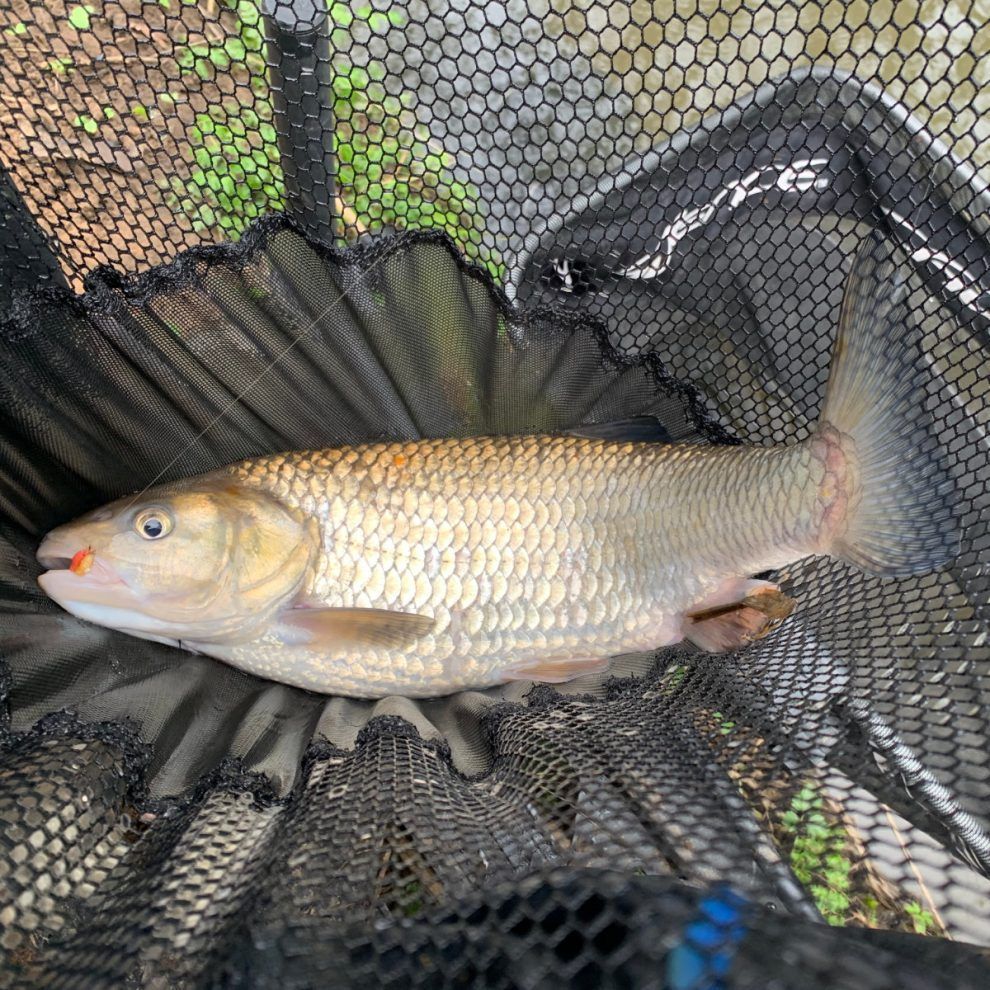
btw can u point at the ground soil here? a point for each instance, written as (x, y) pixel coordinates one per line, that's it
(98, 196)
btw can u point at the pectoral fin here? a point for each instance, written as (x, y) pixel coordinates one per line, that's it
(332, 628)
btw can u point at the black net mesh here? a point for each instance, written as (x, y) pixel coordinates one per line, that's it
(305, 224)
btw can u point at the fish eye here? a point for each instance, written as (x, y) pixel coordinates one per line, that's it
(153, 524)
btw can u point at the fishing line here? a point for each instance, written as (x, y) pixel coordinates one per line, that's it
(240, 395)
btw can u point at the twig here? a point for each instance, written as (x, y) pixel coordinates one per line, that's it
(914, 869)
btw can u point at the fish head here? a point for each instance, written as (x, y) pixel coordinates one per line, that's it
(205, 562)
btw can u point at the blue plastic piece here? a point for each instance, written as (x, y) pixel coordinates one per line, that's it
(704, 958)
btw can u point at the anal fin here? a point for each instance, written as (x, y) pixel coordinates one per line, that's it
(556, 670)
(730, 625)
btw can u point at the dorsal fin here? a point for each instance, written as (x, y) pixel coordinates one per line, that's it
(638, 429)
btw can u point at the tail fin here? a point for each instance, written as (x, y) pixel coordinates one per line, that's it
(905, 521)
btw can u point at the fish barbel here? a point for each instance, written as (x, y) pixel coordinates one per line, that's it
(429, 566)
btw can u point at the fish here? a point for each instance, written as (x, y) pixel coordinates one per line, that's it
(430, 566)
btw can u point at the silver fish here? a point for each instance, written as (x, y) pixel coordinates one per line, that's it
(431, 566)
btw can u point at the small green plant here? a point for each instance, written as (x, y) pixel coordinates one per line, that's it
(817, 854)
(725, 726)
(821, 858)
(79, 17)
(60, 66)
(86, 123)
(672, 680)
(90, 124)
(17, 29)
(921, 920)
(236, 176)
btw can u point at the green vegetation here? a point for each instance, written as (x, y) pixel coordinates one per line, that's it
(79, 17)
(922, 921)
(673, 679)
(389, 171)
(60, 66)
(725, 725)
(85, 122)
(235, 175)
(817, 854)
(821, 859)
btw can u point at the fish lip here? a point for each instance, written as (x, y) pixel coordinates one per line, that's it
(54, 552)
(55, 556)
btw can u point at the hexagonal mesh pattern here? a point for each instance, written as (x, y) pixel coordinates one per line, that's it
(622, 208)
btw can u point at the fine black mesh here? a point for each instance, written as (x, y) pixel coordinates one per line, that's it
(610, 209)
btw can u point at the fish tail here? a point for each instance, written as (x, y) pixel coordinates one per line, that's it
(900, 518)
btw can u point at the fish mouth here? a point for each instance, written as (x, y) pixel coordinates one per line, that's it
(65, 581)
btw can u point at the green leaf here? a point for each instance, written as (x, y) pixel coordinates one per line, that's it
(79, 17)
(86, 122)
(140, 111)
(19, 28)
(340, 14)
(921, 920)
(378, 22)
(253, 40)
(235, 49)
(247, 11)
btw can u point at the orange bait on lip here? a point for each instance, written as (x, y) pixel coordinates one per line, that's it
(82, 562)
